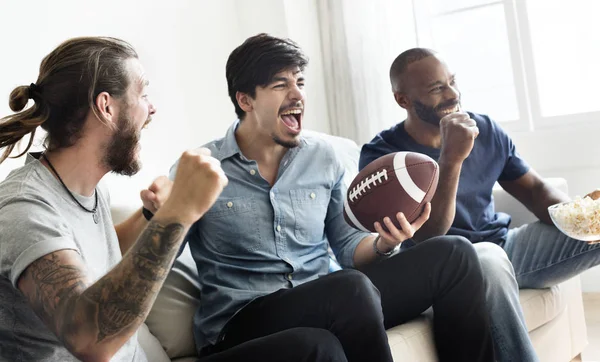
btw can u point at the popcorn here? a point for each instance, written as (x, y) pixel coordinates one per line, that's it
(579, 219)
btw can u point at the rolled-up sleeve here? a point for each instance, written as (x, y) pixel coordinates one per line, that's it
(342, 237)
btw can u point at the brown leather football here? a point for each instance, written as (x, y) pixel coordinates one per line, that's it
(397, 182)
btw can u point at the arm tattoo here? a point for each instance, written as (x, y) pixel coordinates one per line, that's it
(121, 301)
(57, 286)
(118, 301)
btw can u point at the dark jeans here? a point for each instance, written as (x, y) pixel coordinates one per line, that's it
(300, 344)
(443, 272)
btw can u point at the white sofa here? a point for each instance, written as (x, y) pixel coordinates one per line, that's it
(554, 316)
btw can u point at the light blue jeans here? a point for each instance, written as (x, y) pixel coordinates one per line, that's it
(536, 255)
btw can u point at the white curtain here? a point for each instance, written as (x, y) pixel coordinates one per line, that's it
(359, 40)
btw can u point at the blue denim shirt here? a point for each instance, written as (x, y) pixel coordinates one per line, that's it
(257, 239)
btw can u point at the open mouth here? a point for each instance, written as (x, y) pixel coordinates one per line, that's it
(453, 109)
(147, 123)
(292, 118)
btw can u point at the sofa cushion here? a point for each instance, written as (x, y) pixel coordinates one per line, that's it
(541, 305)
(172, 315)
(151, 346)
(413, 341)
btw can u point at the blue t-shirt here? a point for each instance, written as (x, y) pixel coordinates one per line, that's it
(493, 158)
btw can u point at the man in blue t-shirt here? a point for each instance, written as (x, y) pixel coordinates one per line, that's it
(474, 153)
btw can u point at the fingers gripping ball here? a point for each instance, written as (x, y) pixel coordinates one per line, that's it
(397, 182)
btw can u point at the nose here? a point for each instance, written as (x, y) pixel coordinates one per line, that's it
(151, 109)
(296, 93)
(452, 92)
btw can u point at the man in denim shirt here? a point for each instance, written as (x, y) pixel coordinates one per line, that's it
(261, 250)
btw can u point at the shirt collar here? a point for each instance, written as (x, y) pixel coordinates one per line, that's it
(230, 147)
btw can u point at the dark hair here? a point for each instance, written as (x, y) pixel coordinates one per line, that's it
(402, 62)
(71, 78)
(257, 61)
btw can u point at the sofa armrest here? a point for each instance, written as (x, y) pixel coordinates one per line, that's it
(504, 202)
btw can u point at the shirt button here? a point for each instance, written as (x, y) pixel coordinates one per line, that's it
(253, 172)
(230, 204)
(278, 228)
(289, 277)
(312, 195)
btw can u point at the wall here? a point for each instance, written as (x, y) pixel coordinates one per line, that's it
(183, 45)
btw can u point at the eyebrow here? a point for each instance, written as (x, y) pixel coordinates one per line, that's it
(439, 82)
(279, 79)
(285, 80)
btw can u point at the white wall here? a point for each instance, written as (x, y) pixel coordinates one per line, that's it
(183, 45)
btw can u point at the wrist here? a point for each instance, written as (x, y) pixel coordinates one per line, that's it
(172, 213)
(148, 215)
(449, 163)
(386, 245)
(383, 247)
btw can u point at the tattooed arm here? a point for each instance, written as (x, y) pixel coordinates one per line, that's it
(95, 320)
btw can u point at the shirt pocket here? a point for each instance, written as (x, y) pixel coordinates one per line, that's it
(232, 226)
(310, 210)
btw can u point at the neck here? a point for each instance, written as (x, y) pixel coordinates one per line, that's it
(258, 146)
(424, 133)
(78, 166)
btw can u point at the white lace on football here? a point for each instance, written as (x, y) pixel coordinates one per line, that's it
(374, 179)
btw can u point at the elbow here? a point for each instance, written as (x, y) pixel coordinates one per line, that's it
(90, 352)
(92, 355)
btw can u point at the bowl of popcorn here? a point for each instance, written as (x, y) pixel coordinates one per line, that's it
(578, 219)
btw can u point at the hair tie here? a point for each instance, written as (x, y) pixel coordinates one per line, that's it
(33, 90)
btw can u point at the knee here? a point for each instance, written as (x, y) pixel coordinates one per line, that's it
(356, 291)
(354, 283)
(318, 344)
(459, 245)
(498, 271)
(493, 259)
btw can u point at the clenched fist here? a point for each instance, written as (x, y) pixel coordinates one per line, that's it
(199, 181)
(458, 132)
(156, 194)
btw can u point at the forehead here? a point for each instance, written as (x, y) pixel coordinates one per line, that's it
(137, 75)
(289, 73)
(426, 71)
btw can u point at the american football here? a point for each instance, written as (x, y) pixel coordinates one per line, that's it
(397, 182)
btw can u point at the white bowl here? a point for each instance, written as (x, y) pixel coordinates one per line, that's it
(567, 228)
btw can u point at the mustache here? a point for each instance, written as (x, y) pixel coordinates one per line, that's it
(448, 104)
(295, 105)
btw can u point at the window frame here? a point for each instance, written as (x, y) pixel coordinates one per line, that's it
(522, 61)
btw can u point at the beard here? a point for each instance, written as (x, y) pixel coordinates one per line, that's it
(120, 154)
(430, 114)
(287, 144)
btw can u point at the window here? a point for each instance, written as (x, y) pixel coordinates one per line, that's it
(526, 63)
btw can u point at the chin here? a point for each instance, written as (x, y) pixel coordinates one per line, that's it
(287, 142)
